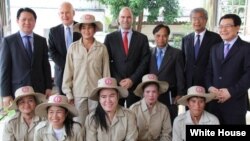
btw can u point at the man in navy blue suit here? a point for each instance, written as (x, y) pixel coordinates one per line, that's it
(24, 59)
(128, 62)
(58, 42)
(196, 60)
(228, 73)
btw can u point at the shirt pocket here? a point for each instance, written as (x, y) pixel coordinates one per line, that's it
(78, 61)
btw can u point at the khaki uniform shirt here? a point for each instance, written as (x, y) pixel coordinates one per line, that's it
(44, 132)
(84, 68)
(17, 130)
(122, 128)
(154, 126)
(180, 122)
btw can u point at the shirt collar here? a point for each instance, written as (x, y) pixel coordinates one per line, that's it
(22, 34)
(129, 31)
(231, 42)
(162, 49)
(70, 26)
(201, 34)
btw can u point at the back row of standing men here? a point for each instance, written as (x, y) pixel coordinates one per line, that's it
(127, 57)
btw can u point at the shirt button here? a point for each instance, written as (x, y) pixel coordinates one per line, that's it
(220, 77)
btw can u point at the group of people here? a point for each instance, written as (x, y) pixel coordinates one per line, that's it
(122, 89)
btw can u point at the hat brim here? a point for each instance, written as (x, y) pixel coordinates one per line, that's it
(207, 96)
(41, 109)
(40, 98)
(123, 93)
(163, 87)
(99, 26)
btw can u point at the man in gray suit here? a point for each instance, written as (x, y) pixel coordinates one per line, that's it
(24, 59)
(58, 41)
(129, 55)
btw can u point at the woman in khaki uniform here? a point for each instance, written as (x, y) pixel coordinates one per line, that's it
(60, 125)
(153, 118)
(110, 122)
(22, 125)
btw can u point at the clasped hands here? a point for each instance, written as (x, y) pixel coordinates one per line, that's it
(221, 95)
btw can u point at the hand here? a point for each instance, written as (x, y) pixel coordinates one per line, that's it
(176, 98)
(7, 100)
(48, 93)
(214, 91)
(71, 101)
(224, 95)
(126, 83)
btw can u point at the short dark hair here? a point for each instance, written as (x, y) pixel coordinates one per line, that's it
(26, 9)
(91, 24)
(236, 19)
(150, 83)
(159, 26)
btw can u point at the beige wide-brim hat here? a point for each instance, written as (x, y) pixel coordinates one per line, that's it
(88, 19)
(56, 100)
(108, 82)
(26, 91)
(196, 91)
(151, 78)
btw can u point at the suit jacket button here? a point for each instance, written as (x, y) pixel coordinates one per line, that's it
(220, 78)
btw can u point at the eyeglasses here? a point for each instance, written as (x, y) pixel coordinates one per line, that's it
(225, 26)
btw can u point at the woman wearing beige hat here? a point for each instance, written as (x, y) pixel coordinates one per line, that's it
(22, 125)
(87, 61)
(196, 100)
(110, 122)
(153, 118)
(60, 125)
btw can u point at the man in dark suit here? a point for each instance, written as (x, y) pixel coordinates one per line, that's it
(170, 69)
(129, 55)
(228, 74)
(196, 52)
(24, 59)
(58, 41)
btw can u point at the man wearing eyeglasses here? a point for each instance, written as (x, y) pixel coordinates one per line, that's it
(228, 73)
(196, 47)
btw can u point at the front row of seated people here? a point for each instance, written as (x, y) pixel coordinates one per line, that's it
(147, 120)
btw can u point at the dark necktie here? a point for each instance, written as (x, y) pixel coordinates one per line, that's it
(226, 49)
(197, 46)
(159, 58)
(28, 46)
(68, 37)
(125, 42)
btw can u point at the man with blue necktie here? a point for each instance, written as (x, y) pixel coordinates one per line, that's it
(228, 73)
(167, 63)
(196, 47)
(60, 38)
(24, 59)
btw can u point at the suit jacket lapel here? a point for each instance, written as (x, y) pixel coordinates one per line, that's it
(233, 50)
(121, 48)
(191, 47)
(203, 45)
(220, 53)
(166, 58)
(62, 36)
(22, 46)
(153, 61)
